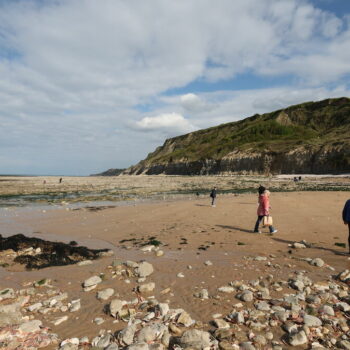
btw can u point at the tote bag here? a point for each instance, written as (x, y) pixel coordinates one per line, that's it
(267, 220)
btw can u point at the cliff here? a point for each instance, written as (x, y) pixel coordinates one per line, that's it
(312, 137)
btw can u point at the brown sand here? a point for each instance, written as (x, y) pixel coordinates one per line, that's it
(313, 216)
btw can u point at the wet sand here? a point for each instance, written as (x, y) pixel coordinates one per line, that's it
(191, 233)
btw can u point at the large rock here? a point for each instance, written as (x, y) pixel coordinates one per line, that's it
(195, 339)
(144, 269)
(105, 294)
(312, 321)
(126, 336)
(30, 326)
(115, 307)
(298, 338)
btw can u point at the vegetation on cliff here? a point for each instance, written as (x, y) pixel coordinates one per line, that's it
(309, 126)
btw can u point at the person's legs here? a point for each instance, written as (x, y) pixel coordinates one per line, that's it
(258, 221)
(349, 236)
(272, 229)
(213, 201)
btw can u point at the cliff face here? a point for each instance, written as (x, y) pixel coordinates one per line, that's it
(312, 137)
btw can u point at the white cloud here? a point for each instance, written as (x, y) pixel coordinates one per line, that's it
(74, 71)
(169, 123)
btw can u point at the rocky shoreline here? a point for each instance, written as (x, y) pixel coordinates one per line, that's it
(267, 313)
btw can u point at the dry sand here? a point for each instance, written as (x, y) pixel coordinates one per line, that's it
(311, 216)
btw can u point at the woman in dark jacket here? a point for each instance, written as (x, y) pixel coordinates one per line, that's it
(346, 218)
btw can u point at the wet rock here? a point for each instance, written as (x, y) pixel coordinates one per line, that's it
(105, 294)
(317, 262)
(147, 287)
(39, 253)
(298, 338)
(195, 339)
(144, 269)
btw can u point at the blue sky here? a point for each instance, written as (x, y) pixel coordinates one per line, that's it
(88, 85)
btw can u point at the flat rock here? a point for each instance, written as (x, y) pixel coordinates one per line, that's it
(144, 269)
(298, 338)
(105, 294)
(147, 287)
(195, 339)
(92, 281)
(115, 307)
(30, 326)
(312, 321)
(220, 323)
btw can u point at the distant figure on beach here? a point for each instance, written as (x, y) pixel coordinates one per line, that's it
(213, 196)
(44, 182)
(60, 181)
(263, 209)
(346, 218)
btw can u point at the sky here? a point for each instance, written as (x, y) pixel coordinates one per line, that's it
(88, 85)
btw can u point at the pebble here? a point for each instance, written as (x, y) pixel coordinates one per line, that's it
(317, 262)
(144, 269)
(60, 320)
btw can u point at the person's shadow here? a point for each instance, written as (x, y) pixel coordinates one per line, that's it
(203, 205)
(235, 228)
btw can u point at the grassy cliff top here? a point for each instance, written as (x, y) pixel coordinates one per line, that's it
(306, 124)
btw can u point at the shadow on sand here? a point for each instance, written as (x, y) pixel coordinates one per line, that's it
(336, 252)
(235, 228)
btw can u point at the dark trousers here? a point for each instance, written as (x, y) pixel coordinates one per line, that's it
(258, 222)
(213, 200)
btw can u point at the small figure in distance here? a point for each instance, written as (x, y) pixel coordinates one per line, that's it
(44, 182)
(263, 208)
(346, 218)
(213, 196)
(299, 178)
(197, 194)
(60, 181)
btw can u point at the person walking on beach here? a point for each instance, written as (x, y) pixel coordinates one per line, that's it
(213, 196)
(346, 218)
(263, 209)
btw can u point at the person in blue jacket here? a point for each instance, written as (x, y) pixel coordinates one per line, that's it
(346, 218)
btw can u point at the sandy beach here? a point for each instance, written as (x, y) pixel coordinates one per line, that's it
(210, 247)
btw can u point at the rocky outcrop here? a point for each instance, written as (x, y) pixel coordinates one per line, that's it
(310, 138)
